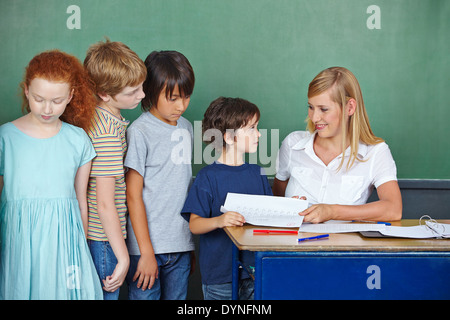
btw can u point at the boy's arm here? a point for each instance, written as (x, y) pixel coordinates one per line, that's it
(109, 218)
(200, 225)
(147, 268)
(81, 182)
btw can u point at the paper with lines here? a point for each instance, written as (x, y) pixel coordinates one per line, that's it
(266, 210)
(341, 227)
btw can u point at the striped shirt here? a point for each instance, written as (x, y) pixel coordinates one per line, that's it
(107, 134)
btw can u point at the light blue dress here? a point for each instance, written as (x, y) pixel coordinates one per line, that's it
(43, 249)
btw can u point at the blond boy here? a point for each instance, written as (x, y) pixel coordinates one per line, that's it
(118, 74)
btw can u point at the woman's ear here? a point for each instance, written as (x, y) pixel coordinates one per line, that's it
(351, 107)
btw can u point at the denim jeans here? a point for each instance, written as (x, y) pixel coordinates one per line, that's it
(223, 291)
(172, 282)
(105, 262)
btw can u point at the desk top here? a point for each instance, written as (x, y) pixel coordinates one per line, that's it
(244, 239)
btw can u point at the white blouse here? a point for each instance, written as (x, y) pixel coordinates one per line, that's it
(310, 177)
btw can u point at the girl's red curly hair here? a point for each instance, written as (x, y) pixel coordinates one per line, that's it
(58, 66)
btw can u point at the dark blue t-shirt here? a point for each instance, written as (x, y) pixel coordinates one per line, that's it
(206, 195)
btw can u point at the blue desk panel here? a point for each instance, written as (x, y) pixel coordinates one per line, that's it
(352, 275)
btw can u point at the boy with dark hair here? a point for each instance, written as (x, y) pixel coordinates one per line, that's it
(160, 243)
(232, 124)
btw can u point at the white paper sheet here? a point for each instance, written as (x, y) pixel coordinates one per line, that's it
(266, 210)
(340, 227)
(425, 231)
(430, 230)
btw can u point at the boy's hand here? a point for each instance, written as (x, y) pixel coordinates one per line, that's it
(146, 271)
(115, 281)
(231, 219)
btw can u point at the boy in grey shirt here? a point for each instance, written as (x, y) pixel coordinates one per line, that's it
(159, 172)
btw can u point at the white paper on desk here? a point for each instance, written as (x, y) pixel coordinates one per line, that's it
(418, 232)
(340, 227)
(266, 210)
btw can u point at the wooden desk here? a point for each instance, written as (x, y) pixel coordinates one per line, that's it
(346, 266)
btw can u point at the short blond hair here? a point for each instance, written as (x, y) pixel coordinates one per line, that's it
(345, 86)
(113, 66)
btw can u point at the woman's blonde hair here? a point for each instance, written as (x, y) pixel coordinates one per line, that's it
(344, 87)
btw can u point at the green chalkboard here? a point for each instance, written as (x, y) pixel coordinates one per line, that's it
(267, 51)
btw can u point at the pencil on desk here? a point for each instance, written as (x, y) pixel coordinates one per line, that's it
(322, 236)
(268, 231)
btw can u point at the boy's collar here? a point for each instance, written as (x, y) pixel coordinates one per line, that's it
(109, 113)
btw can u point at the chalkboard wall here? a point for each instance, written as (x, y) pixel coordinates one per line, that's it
(267, 52)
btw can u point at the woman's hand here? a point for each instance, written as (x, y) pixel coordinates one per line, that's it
(318, 213)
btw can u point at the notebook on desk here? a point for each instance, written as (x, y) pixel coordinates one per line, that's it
(430, 229)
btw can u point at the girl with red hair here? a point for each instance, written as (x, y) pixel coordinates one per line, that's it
(45, 159)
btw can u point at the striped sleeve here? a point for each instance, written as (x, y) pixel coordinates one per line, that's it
(109, 159)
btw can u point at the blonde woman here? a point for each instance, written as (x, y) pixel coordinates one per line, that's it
(338, 161)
